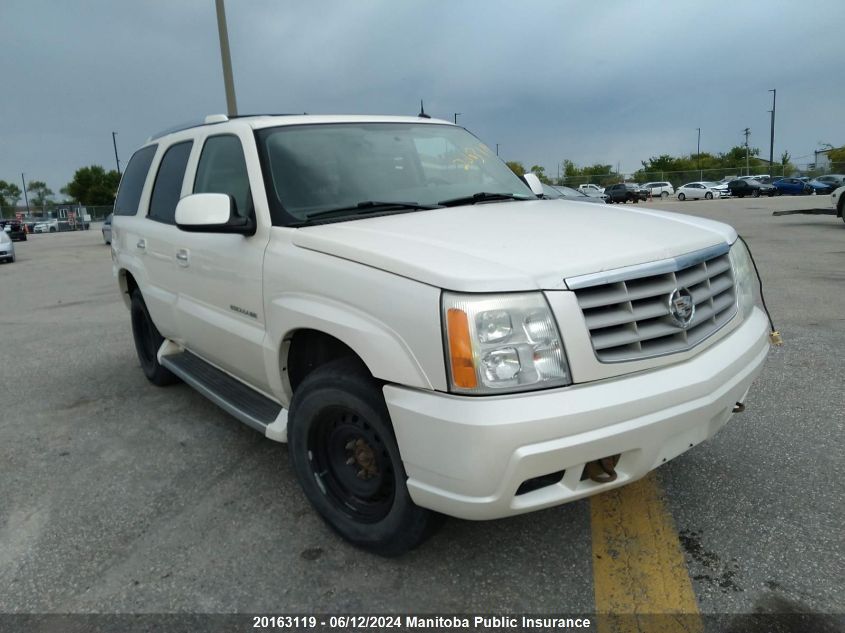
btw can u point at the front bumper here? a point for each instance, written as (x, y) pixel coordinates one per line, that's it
(467, 456)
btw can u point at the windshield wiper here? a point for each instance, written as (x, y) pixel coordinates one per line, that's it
(370, 206)
(481, 196)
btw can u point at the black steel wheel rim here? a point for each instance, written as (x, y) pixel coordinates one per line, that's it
(351, 464)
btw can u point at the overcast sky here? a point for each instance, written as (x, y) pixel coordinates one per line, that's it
(610, 82)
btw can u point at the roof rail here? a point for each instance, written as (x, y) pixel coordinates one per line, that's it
(211, 119)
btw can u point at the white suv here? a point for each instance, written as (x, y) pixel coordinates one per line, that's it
(591, 189)
(660, 189)
(428, 336)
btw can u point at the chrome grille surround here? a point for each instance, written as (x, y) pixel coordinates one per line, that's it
(627, 310)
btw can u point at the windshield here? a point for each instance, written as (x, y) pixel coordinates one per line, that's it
(569, 191)
(310, 169)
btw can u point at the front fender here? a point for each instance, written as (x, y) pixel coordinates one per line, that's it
(386, 354)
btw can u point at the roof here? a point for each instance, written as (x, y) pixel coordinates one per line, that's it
(258, 121)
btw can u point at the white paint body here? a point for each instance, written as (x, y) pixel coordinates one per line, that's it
(376, 284)
(697, 191)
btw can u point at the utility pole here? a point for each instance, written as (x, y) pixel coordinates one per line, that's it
(25, 197)
(698, 154)
(457, 114)
(747, 132)
(772, 140)
(497, 149)
(116, 159)
(228, 82)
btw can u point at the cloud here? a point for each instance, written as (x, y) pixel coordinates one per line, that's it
(613, 82)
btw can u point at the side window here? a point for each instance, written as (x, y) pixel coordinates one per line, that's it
(168, 184)
(222, 169)
(132, 183)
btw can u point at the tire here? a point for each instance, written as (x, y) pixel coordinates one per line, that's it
(148, 340)
(755, 193)
(339, 428)
(708, 196)
(841, 207)
(681, 197)
(664, 194)
(52, 229)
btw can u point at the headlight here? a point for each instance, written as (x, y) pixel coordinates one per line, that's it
(502, 343)
(744, 277)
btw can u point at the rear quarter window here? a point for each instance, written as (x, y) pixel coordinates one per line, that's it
(132, 183)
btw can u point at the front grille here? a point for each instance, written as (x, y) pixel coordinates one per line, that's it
(629, 319)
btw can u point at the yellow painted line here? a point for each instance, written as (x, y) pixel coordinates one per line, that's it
(638, 565)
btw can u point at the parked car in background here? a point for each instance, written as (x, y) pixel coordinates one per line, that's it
(46, 226)
(721, 187)
(590, 189)
(624, 191)
(660, 189)
(696, 191)
(15, 229)
(7, 248)
(568, 193)
(757, 177)
(819, 187)
(750, 187)
(838, 199)
(837, 180)
(107, 229)
(792, 186)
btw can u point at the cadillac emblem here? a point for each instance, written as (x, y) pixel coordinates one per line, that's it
(681, 307)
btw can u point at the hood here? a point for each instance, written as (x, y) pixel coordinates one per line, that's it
(510, 246)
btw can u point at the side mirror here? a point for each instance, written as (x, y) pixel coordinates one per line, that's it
(534, 182)
(211, 213)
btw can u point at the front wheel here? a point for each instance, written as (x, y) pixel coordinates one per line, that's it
(708, 196)
(681, 197)
(664, 194)
(148, 340)
(345, 455)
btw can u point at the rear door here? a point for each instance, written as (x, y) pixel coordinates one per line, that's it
(157, 241)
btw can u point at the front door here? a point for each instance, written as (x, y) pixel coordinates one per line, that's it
(219, 276)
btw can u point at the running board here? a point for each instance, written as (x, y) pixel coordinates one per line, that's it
(234, 397)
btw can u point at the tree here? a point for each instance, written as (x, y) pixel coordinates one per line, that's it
(10, 193)
(93, 186)
(39, 193)
(836, 154)
(540, 172)
(516, 167)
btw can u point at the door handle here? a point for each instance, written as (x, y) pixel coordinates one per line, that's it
(182, 257)
(142, 244)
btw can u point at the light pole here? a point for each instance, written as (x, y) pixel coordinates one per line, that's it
(116, 159)
(228, 81)
(457, 114)
(772, 139)
(747, 132)
(698, 154)
(25, 197)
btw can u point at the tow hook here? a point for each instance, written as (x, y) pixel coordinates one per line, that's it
(603, 470)
(739, 407)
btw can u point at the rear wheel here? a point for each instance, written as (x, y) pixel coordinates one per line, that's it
(345, 455)
(148, 340)
(755, 193)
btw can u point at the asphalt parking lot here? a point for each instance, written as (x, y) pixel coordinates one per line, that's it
(118, 496)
